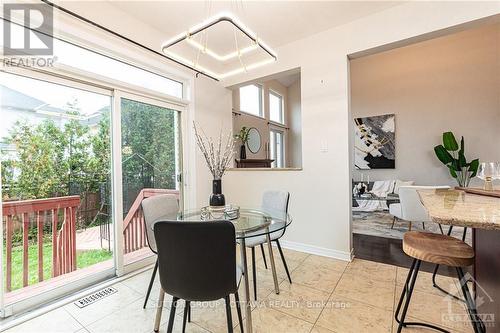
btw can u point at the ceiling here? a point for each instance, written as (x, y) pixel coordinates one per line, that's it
(275, 22)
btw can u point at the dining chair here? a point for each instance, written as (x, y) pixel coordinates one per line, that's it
(410, 208)
(163, 205)
(276, 204)
(197, 263)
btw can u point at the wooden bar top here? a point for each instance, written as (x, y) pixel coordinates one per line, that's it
(455, 207)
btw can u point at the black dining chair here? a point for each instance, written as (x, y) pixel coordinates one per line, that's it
(163, 205)
(197, 263)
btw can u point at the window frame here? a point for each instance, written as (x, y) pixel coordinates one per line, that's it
(275, 132)
(261, 100)
(282, 107)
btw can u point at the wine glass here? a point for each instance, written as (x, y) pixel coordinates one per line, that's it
(488, 171)
(497, 168)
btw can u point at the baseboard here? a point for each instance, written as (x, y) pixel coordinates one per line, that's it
(320, 251)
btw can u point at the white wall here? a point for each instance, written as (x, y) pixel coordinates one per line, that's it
(447, 83)
(212, 105)
(320, 201)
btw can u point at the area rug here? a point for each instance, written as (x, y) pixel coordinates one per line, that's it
(379, 224)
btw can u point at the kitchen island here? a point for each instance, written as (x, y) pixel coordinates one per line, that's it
(482, 214)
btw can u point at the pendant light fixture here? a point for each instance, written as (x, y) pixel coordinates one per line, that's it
(223, 60)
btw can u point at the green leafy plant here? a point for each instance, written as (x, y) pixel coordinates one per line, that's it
(242, 135)
(453, 156)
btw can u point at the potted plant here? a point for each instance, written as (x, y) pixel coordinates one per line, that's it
(218, 156)
(243, 137)
(453, 156)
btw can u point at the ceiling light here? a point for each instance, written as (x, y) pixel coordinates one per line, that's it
(202, 27)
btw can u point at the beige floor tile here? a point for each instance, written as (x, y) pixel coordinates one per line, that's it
(424, 282)
(140, 283)
(440, 310)
(266, 320)
(105, 306)
(130, 318)
(55, 321)
(416, 329)
(212, 315)
(372, 270)
(359, 288)
(342, 315)
(327, 263)
(299, 301)
(190, 327)
(265, 283)
(319, 329)
(316, 276)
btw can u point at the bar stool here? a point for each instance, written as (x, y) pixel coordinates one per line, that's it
(440, 250)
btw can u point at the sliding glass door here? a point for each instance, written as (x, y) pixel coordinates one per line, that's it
(151, 164)
(56, 185)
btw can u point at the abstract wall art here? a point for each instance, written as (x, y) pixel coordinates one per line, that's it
(374, 142)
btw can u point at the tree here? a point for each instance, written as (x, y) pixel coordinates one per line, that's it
(148, 141)
(50, 161)
(37, 164)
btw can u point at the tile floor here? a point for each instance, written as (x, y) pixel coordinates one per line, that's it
(326, 296)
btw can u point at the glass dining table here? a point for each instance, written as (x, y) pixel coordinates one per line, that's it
(248, 223)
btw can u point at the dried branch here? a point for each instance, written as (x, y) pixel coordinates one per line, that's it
(217, 155)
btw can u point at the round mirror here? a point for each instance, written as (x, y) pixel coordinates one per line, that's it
(253, 142)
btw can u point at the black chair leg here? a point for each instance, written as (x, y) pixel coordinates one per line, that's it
(476, 321)
(263, 255)
(284, 261)
(238, 310)
(435, 285)
(151, 284)
(228, 315)
(254, 272)
(436, 268)
(186, 315)
(406, 296)
(172, 315)
(189, 312)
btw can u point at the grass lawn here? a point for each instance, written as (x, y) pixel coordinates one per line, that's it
(83, 259)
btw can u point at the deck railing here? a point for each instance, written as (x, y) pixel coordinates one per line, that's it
(133, 225)
(60, 214)
(57, 217)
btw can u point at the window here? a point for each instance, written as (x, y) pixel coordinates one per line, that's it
(251, 99)
(89, 61)
(277, 149)
(80, 58)
(276, 108)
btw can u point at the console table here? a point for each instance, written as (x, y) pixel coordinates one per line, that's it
(254, 163)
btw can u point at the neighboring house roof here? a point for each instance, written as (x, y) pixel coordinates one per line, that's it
(13, 99)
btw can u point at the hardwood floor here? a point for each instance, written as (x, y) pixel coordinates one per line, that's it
(389, 251)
